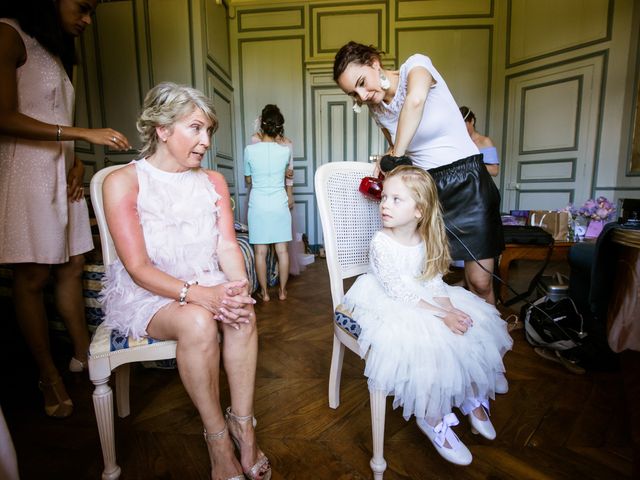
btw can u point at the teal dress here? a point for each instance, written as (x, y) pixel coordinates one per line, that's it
(269, 217)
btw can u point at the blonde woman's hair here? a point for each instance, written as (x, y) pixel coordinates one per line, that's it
(164, 105)
(431, 224)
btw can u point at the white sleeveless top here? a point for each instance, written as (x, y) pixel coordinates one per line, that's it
(441, 137)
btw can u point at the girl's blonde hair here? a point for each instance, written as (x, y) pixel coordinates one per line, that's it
(431, 224)
(164, 105)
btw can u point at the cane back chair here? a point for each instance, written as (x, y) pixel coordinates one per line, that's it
(349, 220)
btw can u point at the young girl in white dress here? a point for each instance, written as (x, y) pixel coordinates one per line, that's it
(431, 345)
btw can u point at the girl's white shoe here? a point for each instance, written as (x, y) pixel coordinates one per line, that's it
(483, 427)
(456, 452)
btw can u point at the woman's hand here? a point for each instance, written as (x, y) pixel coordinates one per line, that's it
(229, 302)
(75, 181)
(106, 136)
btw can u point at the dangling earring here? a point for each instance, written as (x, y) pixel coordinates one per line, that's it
(384, 81)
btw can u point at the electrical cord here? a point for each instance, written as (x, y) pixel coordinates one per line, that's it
(581, 333)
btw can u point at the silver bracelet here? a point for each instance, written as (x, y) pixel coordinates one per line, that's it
(182, 299)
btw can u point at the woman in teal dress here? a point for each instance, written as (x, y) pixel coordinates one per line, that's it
(269, 218)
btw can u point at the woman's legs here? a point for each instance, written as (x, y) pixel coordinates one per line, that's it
(198, 358)
(70, 303)
(283, 268)
(240, 354)
(29, 280)
(479, 281)
(261, 269)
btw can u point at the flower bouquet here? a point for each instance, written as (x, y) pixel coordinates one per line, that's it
(599, 209)
(591, 217)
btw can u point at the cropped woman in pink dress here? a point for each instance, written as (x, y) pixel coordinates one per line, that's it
(44, 221)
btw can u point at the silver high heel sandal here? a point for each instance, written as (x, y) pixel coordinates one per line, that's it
(261, 470)
(218, 436)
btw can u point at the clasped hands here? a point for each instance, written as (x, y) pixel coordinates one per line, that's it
(456, 320)
(229, 302)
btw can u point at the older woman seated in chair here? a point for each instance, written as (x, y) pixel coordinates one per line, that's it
(180, 273)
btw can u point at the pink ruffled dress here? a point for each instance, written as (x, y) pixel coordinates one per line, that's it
(178, 215)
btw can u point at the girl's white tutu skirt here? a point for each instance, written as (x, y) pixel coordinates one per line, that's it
(411, 354)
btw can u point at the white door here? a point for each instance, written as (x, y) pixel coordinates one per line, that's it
(551, 135)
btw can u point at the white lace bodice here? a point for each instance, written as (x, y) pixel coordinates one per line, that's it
(397, 268)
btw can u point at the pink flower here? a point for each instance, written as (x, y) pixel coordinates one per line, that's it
(602, 213)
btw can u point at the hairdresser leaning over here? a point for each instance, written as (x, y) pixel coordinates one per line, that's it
(420, 120)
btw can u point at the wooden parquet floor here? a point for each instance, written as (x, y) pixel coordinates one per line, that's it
(551, 425)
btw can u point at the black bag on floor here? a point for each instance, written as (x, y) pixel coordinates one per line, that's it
(555, 325)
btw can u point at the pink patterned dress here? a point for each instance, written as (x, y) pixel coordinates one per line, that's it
(37, 221)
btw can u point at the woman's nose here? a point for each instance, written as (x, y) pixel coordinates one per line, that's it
(86, 19)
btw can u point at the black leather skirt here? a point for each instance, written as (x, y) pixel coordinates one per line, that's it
(471, 205)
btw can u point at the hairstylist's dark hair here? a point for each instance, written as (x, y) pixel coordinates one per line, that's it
(354, 52)
(468, 115)
(40, 19)
(272, 121)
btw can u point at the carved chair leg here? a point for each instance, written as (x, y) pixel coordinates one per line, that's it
(337, 357)
(103, 405)
(378, 410)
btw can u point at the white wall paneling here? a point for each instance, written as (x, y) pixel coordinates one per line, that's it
(221, 155)
(217, 36)
(544, 199)
(273, 19)
(561, 170)
(539, 28)
(334, 25)
(117, 64)
(439, 9)
(552, 112)
(462, 55)
(550, 116)
(134, 44)
(169, 48)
